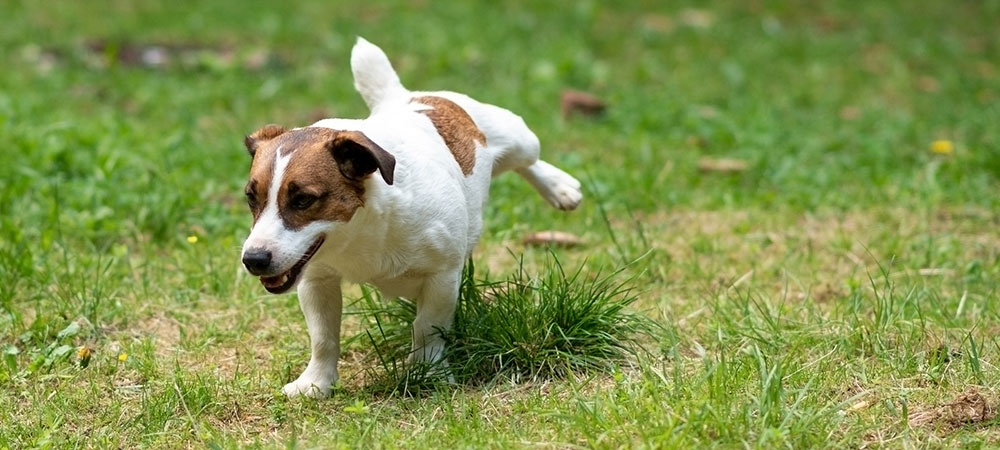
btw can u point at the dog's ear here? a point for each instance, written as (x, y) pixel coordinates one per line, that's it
(357, 156)
(266, 133)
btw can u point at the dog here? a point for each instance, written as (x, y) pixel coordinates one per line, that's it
(394, 200)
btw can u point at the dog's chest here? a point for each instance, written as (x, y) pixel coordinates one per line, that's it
(406, 285)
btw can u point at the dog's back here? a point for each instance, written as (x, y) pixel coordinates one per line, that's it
(510, 143)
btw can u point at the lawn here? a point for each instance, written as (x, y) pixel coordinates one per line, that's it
(841, 289)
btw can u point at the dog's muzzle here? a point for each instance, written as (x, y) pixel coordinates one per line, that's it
(257, 261)
(284, 281)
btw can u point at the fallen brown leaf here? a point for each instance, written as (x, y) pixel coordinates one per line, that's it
(658, 22)
(935, 271)
(858, 406)
(723, 165)
(697, 18)
(553, 238)
(850, 112)
(582, 103)
(928, 84)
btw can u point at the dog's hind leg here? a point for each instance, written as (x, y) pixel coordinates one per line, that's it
(517, 148)
(558, 187)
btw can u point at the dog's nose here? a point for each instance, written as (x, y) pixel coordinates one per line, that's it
(257, 260)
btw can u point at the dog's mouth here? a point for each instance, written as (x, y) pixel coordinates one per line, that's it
(283, 282)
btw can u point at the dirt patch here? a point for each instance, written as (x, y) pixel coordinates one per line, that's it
(103, 53)
(969, 408)
(166, 330)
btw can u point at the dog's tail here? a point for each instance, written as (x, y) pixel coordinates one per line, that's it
(374, 76)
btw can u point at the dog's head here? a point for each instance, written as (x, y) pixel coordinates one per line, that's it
(304, 183)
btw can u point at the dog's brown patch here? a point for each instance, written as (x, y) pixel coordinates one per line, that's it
(262, 167)
(261, 173)
(311, 172)
(457, 129)
(266, 133)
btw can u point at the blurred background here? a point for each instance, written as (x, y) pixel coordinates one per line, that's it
(791, 148)
(135, 109)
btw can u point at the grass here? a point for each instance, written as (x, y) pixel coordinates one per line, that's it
(843, 283)
(519, 329)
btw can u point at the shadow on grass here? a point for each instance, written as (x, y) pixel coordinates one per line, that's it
(522, 328)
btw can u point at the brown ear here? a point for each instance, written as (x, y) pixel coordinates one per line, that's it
(266, 133)
(357, 156)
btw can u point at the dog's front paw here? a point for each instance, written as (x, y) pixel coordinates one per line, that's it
(308, 386)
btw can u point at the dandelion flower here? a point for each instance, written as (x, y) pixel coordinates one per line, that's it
(943, 147)
(122, 357)
(192, 239)
(84, 355)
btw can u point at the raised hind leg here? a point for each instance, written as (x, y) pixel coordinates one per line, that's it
(557, 187)
(517, 149)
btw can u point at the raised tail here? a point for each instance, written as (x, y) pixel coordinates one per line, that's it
(374, 76)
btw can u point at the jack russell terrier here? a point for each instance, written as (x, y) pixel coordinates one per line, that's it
(394, 200)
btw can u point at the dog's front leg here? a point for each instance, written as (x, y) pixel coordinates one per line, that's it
(435, 313)
(321, 304)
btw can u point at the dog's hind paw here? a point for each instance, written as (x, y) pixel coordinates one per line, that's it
(557, 187)
(308, 387)
(565, 196)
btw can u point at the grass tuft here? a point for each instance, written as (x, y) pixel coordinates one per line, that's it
(521, 328)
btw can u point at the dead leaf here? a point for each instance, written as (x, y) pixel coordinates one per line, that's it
(928, 84)
(697, 18)
(657, 22)
(552, 238)
(582, 103)
(850, 112)
(708, 112)
(858, 406)
(967, 409)
(723, 165)
(935, 271)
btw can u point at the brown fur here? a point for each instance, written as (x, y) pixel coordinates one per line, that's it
(266, 133)
(312, 170)
(261, 173)
(457, 129)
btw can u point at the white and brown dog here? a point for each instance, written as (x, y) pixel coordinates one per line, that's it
(394, 200)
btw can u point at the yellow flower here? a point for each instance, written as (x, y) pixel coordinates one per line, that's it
(192, 239)
(84, 355)
(943, 147)
(122, 357)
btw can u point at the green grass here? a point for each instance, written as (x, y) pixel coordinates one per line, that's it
(519, 329)
(844, 281)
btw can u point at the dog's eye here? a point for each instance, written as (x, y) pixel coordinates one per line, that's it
(302, 201)
(251, 200)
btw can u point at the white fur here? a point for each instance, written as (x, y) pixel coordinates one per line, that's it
(374, 78)
(412, 238)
